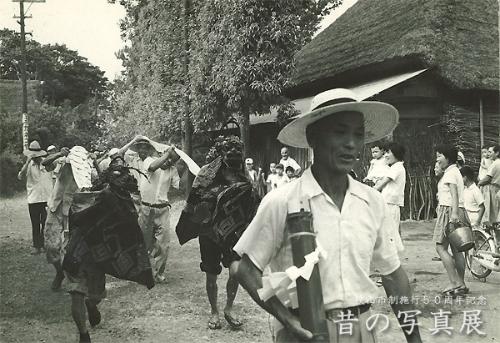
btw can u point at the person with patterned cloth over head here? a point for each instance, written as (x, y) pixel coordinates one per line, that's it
(73, 173)
(105, 238)
(348, 220)
(220, 205)
(38, 188)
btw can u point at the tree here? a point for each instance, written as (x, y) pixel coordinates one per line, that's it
(65, 74)
(154, 87)
(217, 60)
(244, 56)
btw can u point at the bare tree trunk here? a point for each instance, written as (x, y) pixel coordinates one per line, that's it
(245, 133)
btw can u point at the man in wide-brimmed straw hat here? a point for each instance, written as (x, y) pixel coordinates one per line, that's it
(347, 217)
(73, 172)
(38, 187)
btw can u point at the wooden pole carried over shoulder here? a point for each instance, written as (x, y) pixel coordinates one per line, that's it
(309, 292)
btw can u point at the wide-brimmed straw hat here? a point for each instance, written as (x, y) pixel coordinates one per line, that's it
(380, 118)
(34, 150)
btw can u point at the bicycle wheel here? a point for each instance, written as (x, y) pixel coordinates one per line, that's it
(481, 243)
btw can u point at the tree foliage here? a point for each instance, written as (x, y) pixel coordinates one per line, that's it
(244, 58)
(65, 74)
(239, 53)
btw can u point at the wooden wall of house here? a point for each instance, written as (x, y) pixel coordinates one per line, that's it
(461, 122)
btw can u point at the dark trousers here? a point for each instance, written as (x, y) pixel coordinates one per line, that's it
(38, 214)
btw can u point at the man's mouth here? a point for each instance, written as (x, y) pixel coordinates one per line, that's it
(347, 157)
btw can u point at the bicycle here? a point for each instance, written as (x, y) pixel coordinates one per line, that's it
(484, 257)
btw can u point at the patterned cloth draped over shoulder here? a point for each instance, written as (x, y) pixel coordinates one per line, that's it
(216, 207)
(104, 232)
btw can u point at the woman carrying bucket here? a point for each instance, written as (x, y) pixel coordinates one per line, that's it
(450, 212)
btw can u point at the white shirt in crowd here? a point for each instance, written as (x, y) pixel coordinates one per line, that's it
(290, 162)
(473, 198)
(394, 190)
(38, 183)
(353, 238)
(270, 178)
(378, 169)
(483, 168)
(451, 176)
(155, 190)
(278, 181)
(133, 160)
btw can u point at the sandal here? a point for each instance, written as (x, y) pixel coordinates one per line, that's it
(234, 323)
(214, 324)
(460, 291)
(449, 292)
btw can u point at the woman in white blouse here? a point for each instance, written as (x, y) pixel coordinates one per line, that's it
(450, 210)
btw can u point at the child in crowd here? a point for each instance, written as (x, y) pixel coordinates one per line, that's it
(271, 177)
(473, 198)
(392, 186)
(290, 173)
(378, 166)
(280, 178)
(485, 163)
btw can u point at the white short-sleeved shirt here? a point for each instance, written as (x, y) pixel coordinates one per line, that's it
(494, 172)
(353, 238)
(394, 190)
(279, 181)
(270, 178)
(473, 198)
(133, 160)
(451, 176)
(378, 169)
(38, 183)
(290, 162)
(155, 190)
(483, 168)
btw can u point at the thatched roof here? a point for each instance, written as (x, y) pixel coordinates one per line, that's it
(458, 39)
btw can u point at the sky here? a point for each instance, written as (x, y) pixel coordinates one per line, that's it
(87, 26)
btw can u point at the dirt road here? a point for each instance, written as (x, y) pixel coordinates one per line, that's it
(178, 311)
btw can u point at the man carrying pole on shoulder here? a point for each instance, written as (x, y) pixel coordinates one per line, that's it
(348, 222)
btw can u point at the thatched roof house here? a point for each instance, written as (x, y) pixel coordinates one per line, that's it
(457, 38)
(436, 61)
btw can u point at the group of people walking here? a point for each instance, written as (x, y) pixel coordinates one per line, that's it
(356, 224)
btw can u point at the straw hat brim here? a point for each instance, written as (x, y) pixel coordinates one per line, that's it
(33, 154)
(380, 120)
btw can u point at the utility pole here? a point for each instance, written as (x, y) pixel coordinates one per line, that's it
(23, 75)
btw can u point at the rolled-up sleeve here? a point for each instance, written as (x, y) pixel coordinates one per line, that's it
(264, 235)
(385, 254)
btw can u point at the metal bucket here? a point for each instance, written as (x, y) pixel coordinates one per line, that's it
(460, 236)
